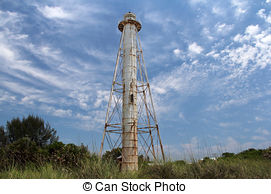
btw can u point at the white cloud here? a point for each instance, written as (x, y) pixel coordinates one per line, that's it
(195, 48)
(177, 52)
(223, 28)
(213, 53)
(268, 1)
(6, 97)
(261, 14)
(182, 79)
(252, 54)
(19, 88)
(57, 111)
(206, 32)
(100, 54)
(6, 53)
(102, 97)
(55, 12)
(266, 39)
(194, 2)
(83, 117)
(252, 30)
(240, 6)
(218, 10)
(158, 90)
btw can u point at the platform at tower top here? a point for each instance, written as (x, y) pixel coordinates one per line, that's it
(129, 18)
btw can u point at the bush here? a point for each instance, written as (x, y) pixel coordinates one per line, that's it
(227, 155)
(21, 152)
(180, 162)
(68, 155)
(112, 155)
(251, 154)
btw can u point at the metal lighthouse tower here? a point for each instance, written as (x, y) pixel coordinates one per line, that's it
(130, 121)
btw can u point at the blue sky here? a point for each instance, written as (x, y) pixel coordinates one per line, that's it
(208, 63)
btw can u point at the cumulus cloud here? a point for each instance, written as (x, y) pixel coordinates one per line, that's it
(177, 52)
(195, 48)
(241, 7)
(261, 13)
(252, 29)
(223, 28)
(55, 12)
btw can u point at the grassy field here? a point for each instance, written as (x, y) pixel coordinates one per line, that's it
(30, 149)
(24, 159)
(204, 169)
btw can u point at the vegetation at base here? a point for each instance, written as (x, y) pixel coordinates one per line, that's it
(29, 148)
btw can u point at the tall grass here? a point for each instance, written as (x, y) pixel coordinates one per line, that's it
(207, 169)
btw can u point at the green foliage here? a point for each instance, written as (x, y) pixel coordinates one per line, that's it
(251, 154)
(180, 162)
(93, 167)
(158, 171)
(68, 155)
(3, 137)
(267, 153)
(47, 171)
(227, 155)
(29, 149)
(32, 127)
(20, 153)
(113, 155)
(24, 152)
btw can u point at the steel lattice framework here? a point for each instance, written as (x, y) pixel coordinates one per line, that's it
(148, 136)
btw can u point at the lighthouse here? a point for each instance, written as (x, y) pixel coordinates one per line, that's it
(130, 122)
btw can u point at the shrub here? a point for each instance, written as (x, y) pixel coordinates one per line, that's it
(251, 154)
(21, 152)
(114, 154)
(68, 155)
(227, 155)
(180, 162)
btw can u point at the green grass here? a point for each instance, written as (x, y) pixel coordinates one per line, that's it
(206, 169)
(30, 172)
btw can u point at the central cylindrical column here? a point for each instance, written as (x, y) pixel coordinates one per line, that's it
(129, 27)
